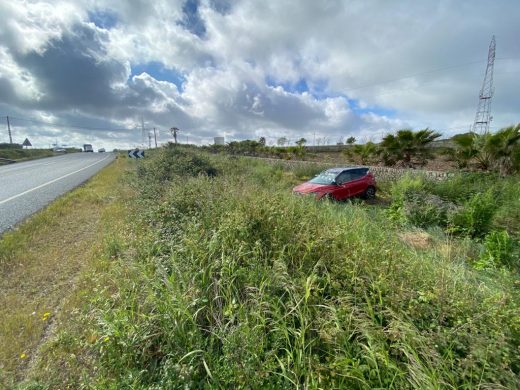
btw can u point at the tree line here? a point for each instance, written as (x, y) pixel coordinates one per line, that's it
(499, 151)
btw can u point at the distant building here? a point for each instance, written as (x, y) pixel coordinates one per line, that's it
(220, 141)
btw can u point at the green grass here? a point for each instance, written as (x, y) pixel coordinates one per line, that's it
(40, 264)
(228, 281)
(30, 154)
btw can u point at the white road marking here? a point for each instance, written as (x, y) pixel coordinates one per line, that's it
(50, 182)
(26, 164)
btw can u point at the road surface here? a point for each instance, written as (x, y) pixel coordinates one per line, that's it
(28, 186)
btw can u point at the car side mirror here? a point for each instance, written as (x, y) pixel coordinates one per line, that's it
(334, 183)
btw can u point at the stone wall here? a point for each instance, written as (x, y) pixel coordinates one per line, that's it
(382, 173)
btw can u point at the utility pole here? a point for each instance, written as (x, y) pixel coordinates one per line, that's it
(155, 137)
(9, 130)
(143, 132)
(149, 140)
(483, 116)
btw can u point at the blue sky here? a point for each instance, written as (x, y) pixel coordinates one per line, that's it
(159, 72)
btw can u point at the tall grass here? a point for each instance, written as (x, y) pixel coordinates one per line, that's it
(230, 281)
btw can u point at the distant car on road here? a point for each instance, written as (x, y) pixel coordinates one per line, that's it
(88, 148)
(59, 150)
(340, 184)
(102, 150)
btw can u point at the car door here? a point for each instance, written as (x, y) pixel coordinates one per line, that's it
(357, 184)
(343, 189)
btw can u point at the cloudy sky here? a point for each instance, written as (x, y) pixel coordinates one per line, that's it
(96, 70)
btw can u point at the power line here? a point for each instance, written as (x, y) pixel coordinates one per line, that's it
(424, 73)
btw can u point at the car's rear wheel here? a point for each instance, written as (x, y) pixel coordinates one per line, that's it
(370, 193)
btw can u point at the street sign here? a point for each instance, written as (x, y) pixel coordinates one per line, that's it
(136, 153)
(27, 142)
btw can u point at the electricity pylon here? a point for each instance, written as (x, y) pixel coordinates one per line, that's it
(483, 116)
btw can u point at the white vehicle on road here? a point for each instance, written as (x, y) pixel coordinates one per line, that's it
(88, 148)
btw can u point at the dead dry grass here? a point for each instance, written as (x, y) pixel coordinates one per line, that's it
(416, 239)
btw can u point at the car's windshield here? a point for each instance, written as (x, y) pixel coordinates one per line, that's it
(324, 178)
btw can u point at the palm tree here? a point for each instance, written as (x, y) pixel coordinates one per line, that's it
(465, 150)
(499, 151)
(407, 145)
(365, 152)
(504, 147)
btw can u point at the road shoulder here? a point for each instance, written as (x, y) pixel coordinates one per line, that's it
(41, 264)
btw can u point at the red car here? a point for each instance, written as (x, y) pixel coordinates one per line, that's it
(340, 184)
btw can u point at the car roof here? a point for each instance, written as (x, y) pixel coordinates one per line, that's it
(342, 169)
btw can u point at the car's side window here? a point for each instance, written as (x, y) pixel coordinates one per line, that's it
(343, 178)
(359, 173)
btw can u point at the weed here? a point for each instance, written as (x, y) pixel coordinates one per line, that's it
(246, 286)
(476, 215)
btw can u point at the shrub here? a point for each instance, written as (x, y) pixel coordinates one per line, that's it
(423, 210)
(172, 161)
(475, 217)
(499, 250)
(400, 191)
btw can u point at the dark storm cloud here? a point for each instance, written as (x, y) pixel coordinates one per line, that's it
(75, 71)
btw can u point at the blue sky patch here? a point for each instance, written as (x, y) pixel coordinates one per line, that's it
(159, 72)
(221, 6)
(316, 89)
(103, 19)
(380, 111)
(299, 87)
(191, 20)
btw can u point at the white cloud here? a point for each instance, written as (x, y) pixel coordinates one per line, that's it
(352, 55)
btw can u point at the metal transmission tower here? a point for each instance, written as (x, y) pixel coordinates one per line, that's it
(483, 116)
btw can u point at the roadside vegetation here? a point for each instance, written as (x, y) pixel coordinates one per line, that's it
(19, 154)
(42, 264)
(219, 277)
(496, 152)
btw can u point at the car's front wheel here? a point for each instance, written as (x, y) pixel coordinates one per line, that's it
(370, 193)
(328, 197)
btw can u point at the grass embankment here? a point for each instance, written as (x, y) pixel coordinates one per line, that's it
(30, 154)
(40, 267)
(222, 279)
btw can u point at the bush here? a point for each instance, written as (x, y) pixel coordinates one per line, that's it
(499, 250)
(172, 161)
(475, 217)
(424, 210)
(462, 186)
(400, 191)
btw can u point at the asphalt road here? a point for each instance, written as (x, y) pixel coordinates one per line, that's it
(27, 187)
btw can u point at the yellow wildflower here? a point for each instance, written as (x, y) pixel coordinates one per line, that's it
(23, 356)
